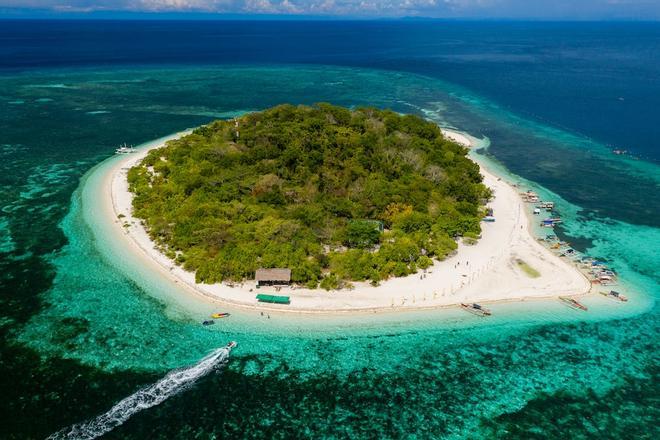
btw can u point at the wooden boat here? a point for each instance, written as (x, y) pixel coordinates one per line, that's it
(551, 221)
(547, 223)
(530, 197)
(607, 280)
(275, 299)
(605, 274)
(220, 315)
(613, 294)
(476, 309)
(573, 303)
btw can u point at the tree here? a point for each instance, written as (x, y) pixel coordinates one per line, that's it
(362, 234)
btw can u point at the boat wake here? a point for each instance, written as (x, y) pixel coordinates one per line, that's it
(173, 383)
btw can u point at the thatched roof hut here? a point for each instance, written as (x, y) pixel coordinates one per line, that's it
(269, 277)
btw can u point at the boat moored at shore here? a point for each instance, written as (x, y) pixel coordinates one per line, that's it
(476, 309)
(125, 149)
(573, 303)
(614, 295)
(273, 299)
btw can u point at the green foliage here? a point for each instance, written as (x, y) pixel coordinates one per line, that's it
(362, 234)
(424, 262)
(330, 282)
(307, 188)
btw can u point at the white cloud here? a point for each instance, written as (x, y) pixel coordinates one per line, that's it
(259, 6)
(181, 5)
(438, 8)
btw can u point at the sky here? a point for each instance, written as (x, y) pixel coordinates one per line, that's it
(475, 9)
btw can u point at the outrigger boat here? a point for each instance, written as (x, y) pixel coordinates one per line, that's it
(604, 277)
(476, 309)
(125, 149)
(550, 222)
(530, 197)
(607, 281)
(573, 303)
(613, 294)
(547, 223)
(220, 315)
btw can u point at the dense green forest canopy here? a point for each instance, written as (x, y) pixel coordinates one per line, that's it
(331, 193)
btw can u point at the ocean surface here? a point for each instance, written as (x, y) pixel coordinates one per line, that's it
(83, 327)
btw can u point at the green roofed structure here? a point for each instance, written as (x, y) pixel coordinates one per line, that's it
(275, 299)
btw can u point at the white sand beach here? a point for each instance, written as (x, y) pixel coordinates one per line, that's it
(484, 272)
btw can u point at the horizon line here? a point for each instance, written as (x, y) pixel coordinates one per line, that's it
(195, 16)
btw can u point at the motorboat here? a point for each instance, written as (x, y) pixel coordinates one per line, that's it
(125, 149)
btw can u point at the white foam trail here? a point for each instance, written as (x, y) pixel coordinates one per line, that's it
(173, 383)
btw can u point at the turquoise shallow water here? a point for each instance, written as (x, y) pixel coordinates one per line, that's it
(102, 327)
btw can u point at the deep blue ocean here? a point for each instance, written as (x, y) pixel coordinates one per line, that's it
(599, 80)
(80, 329)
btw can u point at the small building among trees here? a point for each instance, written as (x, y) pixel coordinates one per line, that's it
(273, 277)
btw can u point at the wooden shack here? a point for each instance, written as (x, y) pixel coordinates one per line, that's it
(273, 277)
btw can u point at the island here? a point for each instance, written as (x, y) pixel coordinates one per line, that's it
(331, 194)
(341, 209)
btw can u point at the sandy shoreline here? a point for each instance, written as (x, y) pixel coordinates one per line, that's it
(485, 272)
